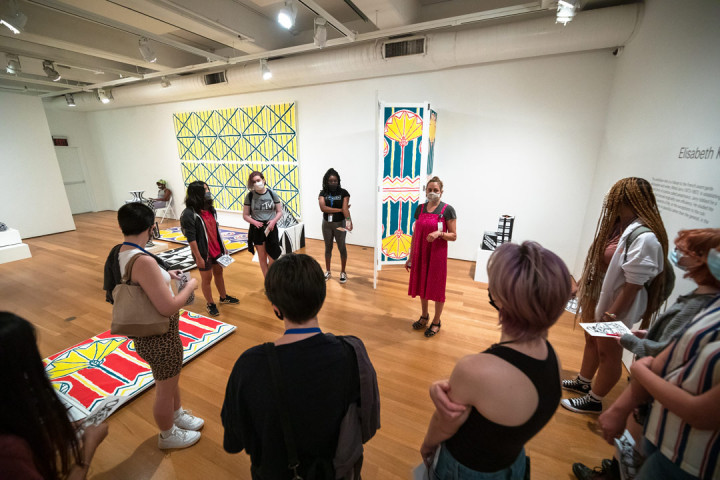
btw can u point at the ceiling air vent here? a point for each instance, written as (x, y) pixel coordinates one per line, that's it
(213, 78)
(404, 47)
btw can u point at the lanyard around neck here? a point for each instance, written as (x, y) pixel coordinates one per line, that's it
(291, 331)
(138, 247)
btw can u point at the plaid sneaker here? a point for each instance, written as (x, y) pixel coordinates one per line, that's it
(229, 299)
(586, 404)
(212, 309)
(576, 385)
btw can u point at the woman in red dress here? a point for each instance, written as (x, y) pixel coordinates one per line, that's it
(435, 223)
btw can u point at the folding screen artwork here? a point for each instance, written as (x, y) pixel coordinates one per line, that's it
(222, 147)
(406, 152)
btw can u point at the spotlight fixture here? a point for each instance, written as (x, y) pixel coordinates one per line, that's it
(104, 95)
(566, 10)
(164, 82)
(50, 71)
(286, 15)
(320, 32)
(70, 100)
(13, 64)
(266, 73)
(146, 51)
(15, 20)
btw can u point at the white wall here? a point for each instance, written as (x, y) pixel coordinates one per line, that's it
(516, 138)
(74, 126)
(33, 198)
(666, 95)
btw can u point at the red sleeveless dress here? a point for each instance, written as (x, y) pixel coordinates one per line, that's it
(429, 259)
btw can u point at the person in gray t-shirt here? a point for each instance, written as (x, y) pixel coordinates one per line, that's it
(262, 209)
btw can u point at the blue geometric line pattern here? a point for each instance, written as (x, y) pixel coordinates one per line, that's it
(222, 147)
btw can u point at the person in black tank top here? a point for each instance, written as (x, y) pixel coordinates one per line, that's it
(497, 400)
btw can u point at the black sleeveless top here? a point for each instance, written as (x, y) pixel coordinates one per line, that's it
(486, 446)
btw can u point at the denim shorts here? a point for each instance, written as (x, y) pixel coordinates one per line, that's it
(448, 468)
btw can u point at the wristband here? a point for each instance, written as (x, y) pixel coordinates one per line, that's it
(611, 315)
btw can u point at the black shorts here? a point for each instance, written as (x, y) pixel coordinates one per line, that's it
(271, 242)
(209, 262)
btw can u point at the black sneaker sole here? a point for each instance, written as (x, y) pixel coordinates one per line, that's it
(569, 406)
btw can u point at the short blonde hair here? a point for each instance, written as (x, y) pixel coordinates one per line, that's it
(532, 284)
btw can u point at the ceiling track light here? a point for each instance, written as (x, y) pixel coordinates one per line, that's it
(15, 20)
(266, 73)
(566, 10)
(13, 64)
(287, 14)
(146, 51)
(320, 32)
(50, 71)
(70, 100)
(104, 96)
(164, 82)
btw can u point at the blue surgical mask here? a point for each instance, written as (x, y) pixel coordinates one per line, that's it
(713, 263)
(675, 257)
(208, 196)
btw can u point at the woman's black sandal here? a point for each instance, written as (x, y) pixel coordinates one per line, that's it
(430, 332)
(419, 325)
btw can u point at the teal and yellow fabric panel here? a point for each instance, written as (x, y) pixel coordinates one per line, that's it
(431, 143)
(222, 147)
(400, 188)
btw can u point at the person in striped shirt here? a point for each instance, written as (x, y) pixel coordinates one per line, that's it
(682, 433)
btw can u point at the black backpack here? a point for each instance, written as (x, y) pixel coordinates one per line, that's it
(668, 270)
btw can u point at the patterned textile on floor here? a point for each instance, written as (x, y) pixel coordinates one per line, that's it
(235, 240)
(107, 364)
(180, 258)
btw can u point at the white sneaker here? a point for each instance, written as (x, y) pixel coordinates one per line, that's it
(178, 438)
(327, 276)
(343, 277)
(187, 421)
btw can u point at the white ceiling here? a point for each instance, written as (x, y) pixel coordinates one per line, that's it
(95, 42)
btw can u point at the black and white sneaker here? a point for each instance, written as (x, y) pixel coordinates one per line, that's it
(343, 277)
(576, 385)
(213, 310)
(327, 276)
(586, 404)
(229, 299)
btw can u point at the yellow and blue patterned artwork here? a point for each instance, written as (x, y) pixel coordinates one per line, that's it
(222, 147)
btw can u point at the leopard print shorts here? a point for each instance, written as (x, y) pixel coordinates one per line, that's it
(164, 353)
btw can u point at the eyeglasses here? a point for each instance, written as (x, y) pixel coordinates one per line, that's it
(491, 301)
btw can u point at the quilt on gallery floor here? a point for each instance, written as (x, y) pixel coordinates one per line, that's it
(404, 137)
(107, 364)
(234, 240)
(180, 258)
(222, 148)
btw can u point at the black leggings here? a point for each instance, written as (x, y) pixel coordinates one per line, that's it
(330, 231)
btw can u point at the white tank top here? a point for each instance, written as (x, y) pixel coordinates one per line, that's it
(125, 256)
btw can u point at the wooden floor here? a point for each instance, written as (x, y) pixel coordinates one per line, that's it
(60, 290)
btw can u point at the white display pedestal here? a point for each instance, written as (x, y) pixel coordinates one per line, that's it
(11, 246)
(481, 265)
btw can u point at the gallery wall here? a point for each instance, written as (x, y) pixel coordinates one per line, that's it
(32, 199)
(517, 138)
(665, 98)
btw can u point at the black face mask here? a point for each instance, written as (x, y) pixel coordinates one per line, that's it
(491, 301)
(333, 187)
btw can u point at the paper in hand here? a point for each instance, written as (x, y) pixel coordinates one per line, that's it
(606, 329)
(343, 229)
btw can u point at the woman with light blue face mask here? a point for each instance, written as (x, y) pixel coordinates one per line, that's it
(696, 254)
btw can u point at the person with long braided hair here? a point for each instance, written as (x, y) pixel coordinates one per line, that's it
(621, 281)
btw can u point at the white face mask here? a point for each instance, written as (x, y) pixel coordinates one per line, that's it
(432, 196)
(259, 185)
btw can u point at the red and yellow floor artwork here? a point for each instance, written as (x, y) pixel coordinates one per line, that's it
(107, 364)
